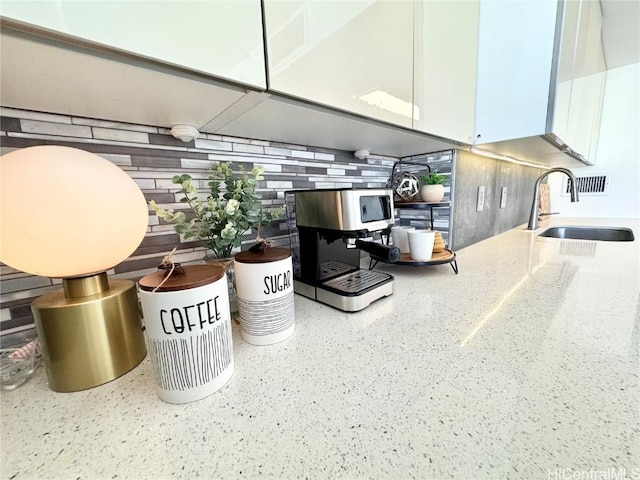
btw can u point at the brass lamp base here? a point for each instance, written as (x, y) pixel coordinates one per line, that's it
(90, 332)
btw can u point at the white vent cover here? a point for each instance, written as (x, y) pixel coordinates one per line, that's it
(595, 184)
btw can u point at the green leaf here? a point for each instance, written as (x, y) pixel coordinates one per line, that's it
(209, 217)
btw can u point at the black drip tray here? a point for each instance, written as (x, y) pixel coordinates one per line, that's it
(333, 268)
(358, 281)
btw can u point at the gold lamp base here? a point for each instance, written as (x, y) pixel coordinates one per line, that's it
(90, 332)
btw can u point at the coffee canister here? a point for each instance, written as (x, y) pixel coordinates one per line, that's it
(188, 328)
(264, 285)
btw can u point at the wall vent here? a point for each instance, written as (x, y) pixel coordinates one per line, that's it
(597, 184)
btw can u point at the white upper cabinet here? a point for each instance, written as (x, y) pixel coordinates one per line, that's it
(515, 57)
(354, 55)
(541, 72)
(446, 48)
(587, 82)
(565, 65)
(514, 77)
(221, 38)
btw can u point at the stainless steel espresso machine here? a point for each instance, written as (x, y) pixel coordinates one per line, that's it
(332, 227)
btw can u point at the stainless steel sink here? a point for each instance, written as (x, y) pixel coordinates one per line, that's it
(607, 234)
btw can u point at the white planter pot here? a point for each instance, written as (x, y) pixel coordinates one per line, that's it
(432, 193)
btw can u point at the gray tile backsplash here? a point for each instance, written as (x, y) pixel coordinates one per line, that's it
(151, 156)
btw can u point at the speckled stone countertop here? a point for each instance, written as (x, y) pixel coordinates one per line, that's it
(525, 365)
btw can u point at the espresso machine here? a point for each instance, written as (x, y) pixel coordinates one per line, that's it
(331, 229)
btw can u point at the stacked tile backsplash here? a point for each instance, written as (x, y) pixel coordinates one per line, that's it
(151, 156)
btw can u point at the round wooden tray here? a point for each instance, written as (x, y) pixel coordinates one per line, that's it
(445, 256)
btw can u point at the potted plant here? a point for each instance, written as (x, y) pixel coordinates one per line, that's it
(221, 219)
(226, 214)
(432, 189)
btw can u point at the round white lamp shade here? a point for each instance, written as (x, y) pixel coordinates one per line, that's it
(66, 213)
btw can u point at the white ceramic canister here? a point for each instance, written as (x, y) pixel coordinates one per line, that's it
(188, 329)
(264, 285)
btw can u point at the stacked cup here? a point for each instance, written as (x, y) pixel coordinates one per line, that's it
(417, 243)
(399, 237)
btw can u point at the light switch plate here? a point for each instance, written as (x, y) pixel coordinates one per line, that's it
(503, 198)
(480, 204)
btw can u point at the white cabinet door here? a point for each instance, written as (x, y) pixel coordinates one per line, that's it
(587, 87)
(48, 76)
(354, 55)
(446, 47)
(515, 53)
(565, 65)
(221, 38)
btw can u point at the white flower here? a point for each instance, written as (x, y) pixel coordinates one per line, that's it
(231, 207)
(257, 172)
(229, 231)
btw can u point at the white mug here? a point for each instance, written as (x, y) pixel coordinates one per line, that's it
(399, 237)
(421, 244)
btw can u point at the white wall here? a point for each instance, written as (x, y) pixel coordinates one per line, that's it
(618, 152)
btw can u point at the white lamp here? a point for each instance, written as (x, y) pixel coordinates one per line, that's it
(70, 214)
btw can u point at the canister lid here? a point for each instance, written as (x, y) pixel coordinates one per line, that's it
(269, 255)
(194, 276)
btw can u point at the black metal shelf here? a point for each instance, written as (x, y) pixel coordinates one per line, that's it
(440, 258)
(418, 166)
(421, 205)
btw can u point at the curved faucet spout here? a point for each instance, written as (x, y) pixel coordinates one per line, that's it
(573, 186)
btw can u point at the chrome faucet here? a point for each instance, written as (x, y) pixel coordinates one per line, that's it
(573, 185)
